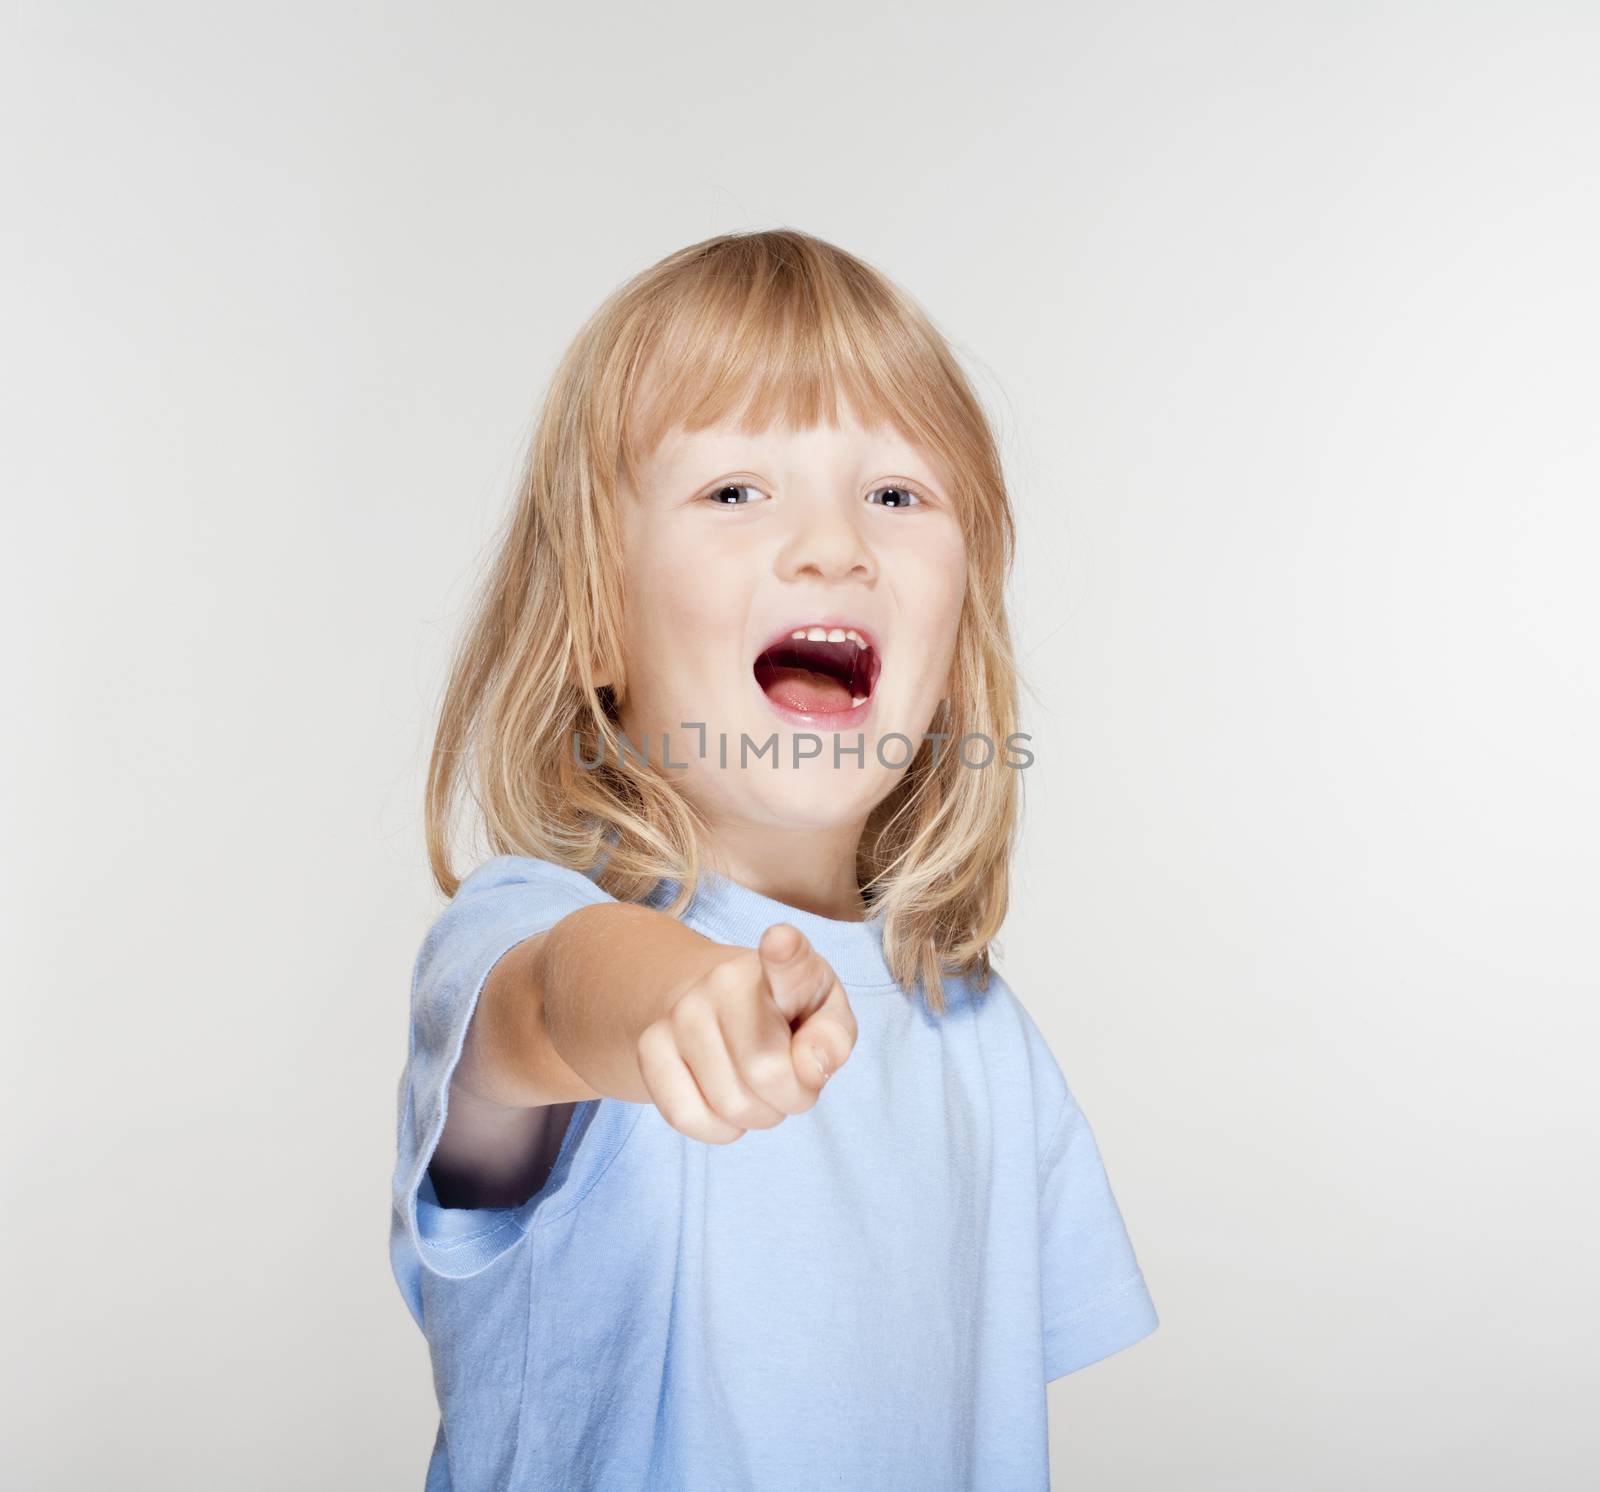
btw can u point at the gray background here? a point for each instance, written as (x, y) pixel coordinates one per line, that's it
(1288, 313)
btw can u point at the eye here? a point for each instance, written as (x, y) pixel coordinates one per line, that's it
(904, 495)
(719, 496)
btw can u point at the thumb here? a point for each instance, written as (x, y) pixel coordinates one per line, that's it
(823, 1041)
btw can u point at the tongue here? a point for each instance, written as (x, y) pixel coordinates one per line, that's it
(801, 689)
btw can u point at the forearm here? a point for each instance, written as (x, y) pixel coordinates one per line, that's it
(606, 973)
(560, 1015)
(508, 1061)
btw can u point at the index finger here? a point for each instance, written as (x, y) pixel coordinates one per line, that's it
(798, 976)
(760, 1045)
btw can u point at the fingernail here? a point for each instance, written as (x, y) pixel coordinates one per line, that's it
(821, 1061)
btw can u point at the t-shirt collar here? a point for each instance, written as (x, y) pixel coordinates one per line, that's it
(732, 913)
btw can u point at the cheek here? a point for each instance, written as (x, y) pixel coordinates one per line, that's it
(680, 600)
(679, 593)
(942, 588)
(941, 580)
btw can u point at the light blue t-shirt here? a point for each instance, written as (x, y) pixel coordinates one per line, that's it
(871, 1295)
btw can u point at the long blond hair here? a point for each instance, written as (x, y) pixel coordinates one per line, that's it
(775, 326)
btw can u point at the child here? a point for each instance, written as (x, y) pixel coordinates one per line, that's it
(726, 1160)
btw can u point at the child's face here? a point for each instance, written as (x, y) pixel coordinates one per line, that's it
(734, 542)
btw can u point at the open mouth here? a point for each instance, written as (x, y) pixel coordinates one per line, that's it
(819, 670)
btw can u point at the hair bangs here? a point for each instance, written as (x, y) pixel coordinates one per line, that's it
(785, 340)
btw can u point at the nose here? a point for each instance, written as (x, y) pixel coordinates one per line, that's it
(826, 544)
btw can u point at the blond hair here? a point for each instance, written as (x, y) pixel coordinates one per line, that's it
(773, 326)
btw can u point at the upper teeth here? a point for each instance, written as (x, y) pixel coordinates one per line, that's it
(829, 634)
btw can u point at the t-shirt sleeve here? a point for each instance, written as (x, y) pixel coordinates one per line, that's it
(1094, 1296)
(504, 902)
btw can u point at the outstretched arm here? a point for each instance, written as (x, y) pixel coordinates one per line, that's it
(558, 1022)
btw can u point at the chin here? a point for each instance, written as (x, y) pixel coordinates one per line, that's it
(811, 800)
